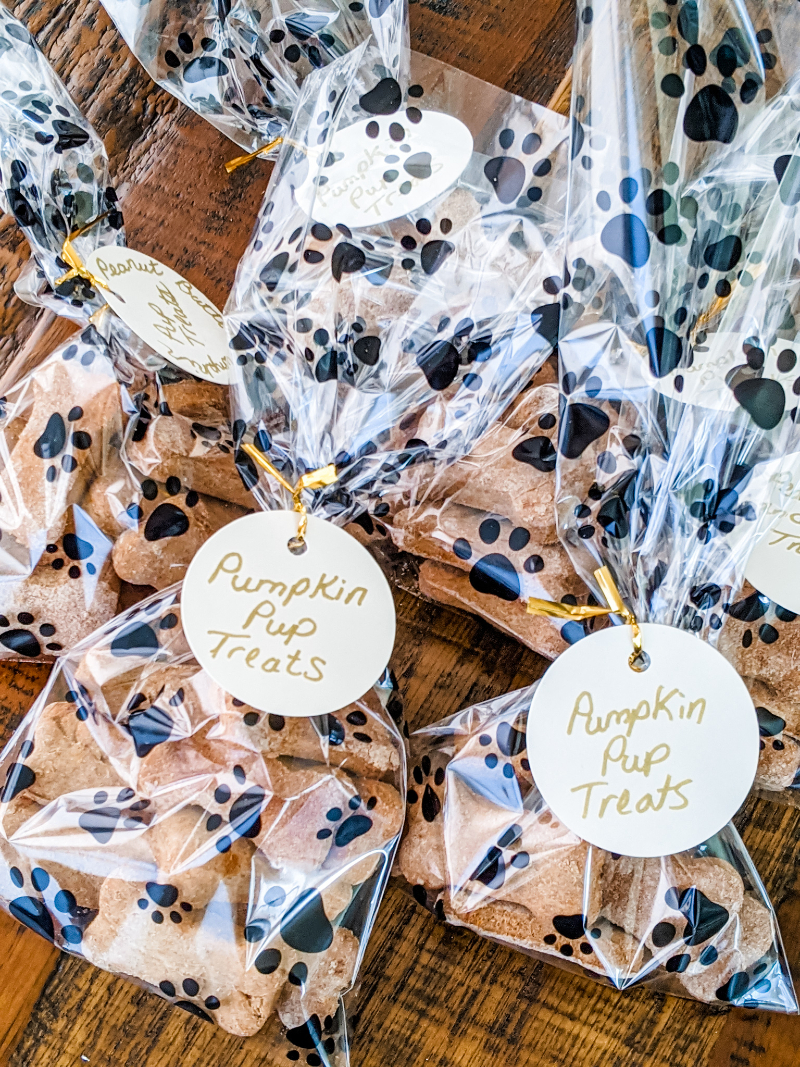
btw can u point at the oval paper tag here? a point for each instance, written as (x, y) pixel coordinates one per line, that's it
(774, 564)
(165, 310)
(385, 167)
(645, 764)
(287, 634)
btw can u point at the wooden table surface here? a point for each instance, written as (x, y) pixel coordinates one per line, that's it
(428, 994)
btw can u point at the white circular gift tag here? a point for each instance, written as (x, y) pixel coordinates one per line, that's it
(288, 634)
(643, 764)
(774, 564)
(385, 167)
(165, 310)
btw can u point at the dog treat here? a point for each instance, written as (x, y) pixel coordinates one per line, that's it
(485, 525)
(453, 588)
(188, 436)
(173, 521)
(224, 859)
(483, 850)
(759, 637)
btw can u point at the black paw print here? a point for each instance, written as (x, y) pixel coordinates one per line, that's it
(309, 32)
(62, 440)
(348, 823)
(111, 813)
(241, 811)
(63, 919)
(503, 744)
(712, 113)
(753, 609)
(213, 437)
(753, 981)
(164, 899)
(498, 573)
(704, 920)
(169, 518)
(431, 797)
(141, 638)
(570, 935)
(188, 997)
(200, 67)
(492, 869)
(22, 640)
(316, 1039)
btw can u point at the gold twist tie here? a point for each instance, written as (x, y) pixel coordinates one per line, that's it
(240, 161)
(77, 268)
(310, 480)
(554, 610)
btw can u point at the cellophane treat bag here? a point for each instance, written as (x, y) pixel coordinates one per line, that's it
(227, 860)
(241, 66)
(393, 315)
(115, 463)
(674, 403)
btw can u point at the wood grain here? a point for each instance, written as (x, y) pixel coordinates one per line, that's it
(429, 994)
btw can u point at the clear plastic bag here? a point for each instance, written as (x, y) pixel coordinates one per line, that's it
(241, 65)
(679, 294)
(679, 359)
(229, 861)
(483, 850)
(114, 465)
(392, 345)
(485, 529)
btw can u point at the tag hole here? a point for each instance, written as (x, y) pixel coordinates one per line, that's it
(296, 546)
(639, 662)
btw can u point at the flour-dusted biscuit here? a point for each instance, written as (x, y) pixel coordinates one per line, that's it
(71, 591)
(196, 963)
(173, 522)
(355, 738)
(65, 421)
(727, 968)
(761, 640)
(188, 436)
(63, 754)
(511, 469)
(452, 587)
(338, 819)
(317, 987)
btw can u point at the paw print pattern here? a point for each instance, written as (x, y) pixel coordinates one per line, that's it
(316, 1041)
(48, 910)
(237, 810)
(112, 812)
(54, 167)
(172, 521)
(502, 559)
(427, 789)
(18, 636)
(162, 902)
(188, 996)
(356, 738)
(500, 857)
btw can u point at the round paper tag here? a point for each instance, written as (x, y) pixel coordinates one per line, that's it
(288, 634)
(383, 168)
(643, 764)
(165, 310)
(774, 564)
